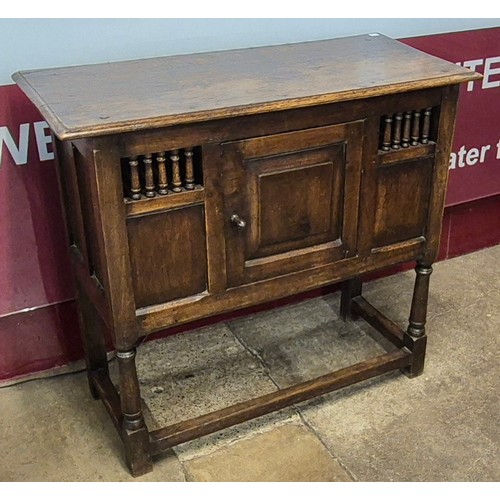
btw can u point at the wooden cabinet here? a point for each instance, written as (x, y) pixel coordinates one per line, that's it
(196, 185)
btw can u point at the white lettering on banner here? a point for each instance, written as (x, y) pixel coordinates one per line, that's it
(488, 72)
(42, 141)
(19, 152)
(468, 157)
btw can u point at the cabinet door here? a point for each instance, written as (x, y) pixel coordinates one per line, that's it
(291, 201)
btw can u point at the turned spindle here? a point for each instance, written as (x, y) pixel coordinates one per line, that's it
(189, 180)
(415, 130)
(405, 137)
(426, 125)
(396, 136)
(149, 184)
(386, 141)
(162, 174)
(176, 172)
(135, 183)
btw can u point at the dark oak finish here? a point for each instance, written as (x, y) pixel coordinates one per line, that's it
(93, 332)
(300, 193)
(176, 172)
(161, 272)
(135, 183)
(396, 137)
(350, 290)
(386, 143)
(405, 139)
(111, 232)
(426, 126)
(155, 318)
(163, 203)
(134, 432)
(286, 120)
(70, 193)
(148, 174)
(444, 138)
(391, 331)
(162, 174)
(196, 185)
(89, 213)
(403, 196)
(109, 396)
(407, 154)
(189, 180)
(419, 303)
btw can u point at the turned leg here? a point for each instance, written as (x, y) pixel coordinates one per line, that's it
(350, 289)
(415, 338)
(135, 432)
(94, 341)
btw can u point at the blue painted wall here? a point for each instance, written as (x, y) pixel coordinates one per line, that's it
(40, 43)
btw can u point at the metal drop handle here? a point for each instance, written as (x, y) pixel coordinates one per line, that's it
(238, 221)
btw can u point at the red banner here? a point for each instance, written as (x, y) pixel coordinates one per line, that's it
(475, 161)
(34, 260)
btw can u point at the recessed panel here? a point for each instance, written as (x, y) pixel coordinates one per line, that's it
(403, 195)
(168, 254)
(295, 200)
(296, 203)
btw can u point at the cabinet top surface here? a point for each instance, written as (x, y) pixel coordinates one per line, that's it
(99, 99)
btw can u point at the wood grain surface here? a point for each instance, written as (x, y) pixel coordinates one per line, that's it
(90, 100)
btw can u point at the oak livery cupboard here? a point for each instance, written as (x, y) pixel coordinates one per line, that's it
(200, 184)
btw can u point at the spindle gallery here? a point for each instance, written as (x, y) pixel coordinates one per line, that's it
(288, 169)
(159, 174)
(406, 129)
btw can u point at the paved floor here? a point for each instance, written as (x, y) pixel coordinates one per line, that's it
(442, 426)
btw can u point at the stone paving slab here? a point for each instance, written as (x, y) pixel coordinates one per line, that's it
(287, 453)
(410, 433)
(198, 372)
(303, 341)
(202, 371)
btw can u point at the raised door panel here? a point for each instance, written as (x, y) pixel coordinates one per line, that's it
(291, 201)
(294, 201)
